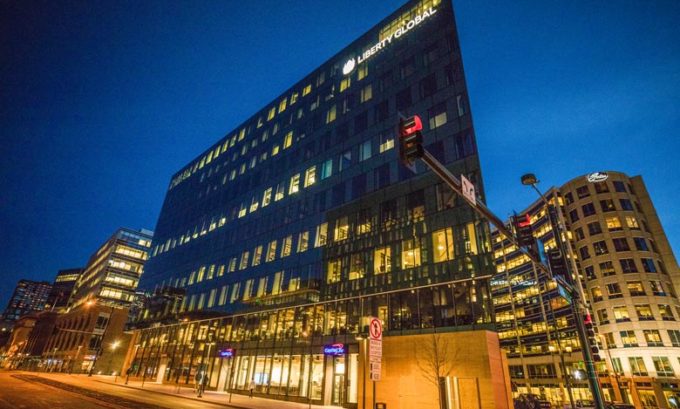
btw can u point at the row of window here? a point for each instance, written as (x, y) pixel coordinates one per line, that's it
(407, 68)
(601, 187)
(606, 205)
(635, 288)
(643, 313)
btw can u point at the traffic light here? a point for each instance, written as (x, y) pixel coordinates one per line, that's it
(558, 266)
(592, 339)
(523, 231)
(410, 139)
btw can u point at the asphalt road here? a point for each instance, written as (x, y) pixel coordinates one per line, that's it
(21, 390)
(19, 394)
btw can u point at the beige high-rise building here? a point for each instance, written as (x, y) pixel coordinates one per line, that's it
(629, 277)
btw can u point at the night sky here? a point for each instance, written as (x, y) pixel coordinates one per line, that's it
(102, 101)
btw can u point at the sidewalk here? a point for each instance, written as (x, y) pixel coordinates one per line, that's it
(114, 384)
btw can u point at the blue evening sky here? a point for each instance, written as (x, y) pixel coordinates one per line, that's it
(102, 101)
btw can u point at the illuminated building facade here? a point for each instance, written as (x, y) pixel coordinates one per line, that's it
(62, 287)
(627, 272)
(288, 233)
(28, 296)
(113, 271)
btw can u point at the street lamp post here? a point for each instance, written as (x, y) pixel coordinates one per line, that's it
(530, 179)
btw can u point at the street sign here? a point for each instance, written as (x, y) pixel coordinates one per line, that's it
(375, 329)
(375, 350)
(468, 190)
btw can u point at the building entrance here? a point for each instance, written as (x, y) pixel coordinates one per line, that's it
(338, 389)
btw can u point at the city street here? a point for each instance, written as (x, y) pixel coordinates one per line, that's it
(55, 391)
(16, 393)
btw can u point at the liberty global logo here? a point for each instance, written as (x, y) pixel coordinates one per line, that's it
(349, 66)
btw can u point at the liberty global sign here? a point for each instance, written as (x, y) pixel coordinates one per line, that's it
(349, 66)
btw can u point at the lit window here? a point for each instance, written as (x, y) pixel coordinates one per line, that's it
(245, 256)
(278, 278)
(282, 105)
(287, 246)
(321, 235)
(345, 83)
(364, 221)
(442, 241)
(257, 256)
(637, 364)
(331, 114)
(367, 93)
(280, 191)
(232, 264)
(410, 253)
(271, 114)
(613, 223)
(294, 284)
(632, 223)
(334, 273)
(438, 116)
(382, 260)
(303, 241)
(621, 314)
(275, 150)
(357, 267)
(243, 210)
(242, 134)
(341, 231)
(363, 72)
(662, 365)
(310, 176)
(254, 204)
(288, 140)
(271, 251)
(294, 184)
(293, 98)
(262, 287)
(223, 295)
(306, 90)
(470, 239)
(326, 169)
(386, 142)
(211, 300)
(267, 197)
(248, 289)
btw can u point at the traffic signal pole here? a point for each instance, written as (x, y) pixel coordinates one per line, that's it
(480, 208)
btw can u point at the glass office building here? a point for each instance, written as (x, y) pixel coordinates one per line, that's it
(288, 232)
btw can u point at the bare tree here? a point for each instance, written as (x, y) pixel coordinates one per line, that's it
(435, 361)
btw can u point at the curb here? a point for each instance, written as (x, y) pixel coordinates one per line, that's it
(226, 405)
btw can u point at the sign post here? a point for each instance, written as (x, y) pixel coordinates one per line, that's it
(375, 330)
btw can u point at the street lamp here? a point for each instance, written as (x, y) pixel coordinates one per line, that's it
(114, 346)
(530, 179)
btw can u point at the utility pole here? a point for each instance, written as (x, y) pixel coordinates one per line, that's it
(411, 149)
